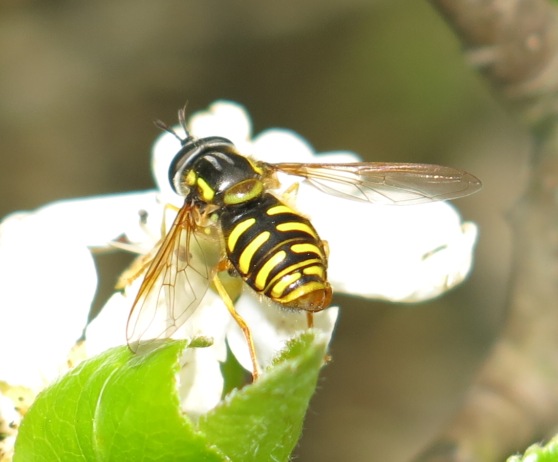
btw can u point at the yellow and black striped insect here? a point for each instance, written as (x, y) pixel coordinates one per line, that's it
(232, 212)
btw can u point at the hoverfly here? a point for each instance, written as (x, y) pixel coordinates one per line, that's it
(233, 210)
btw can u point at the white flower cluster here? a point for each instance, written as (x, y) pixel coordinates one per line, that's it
(48, 278)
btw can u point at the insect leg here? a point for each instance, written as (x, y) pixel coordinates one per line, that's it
(325, 244)
(240, 321)
(310, 319)
(166, 210)
(291, 192)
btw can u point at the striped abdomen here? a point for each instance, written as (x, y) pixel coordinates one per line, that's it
(277, 252)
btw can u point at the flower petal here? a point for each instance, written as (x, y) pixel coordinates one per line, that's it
(97, 221)
(48, 282)
(164, 149)
(200, 381)
(271, 327)
(405, 254)
(223, 118)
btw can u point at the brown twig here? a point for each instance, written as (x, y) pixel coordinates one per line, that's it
(514, 400)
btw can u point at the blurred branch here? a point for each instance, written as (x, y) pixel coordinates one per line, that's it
(514, 400)
(513, 43)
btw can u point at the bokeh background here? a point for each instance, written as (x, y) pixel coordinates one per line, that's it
(81, 82)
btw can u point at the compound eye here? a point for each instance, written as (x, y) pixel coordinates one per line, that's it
(243, 191)
(182, 183)
(182, 190)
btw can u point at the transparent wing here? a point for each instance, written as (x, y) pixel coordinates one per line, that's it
(173, 286)
(385, 183)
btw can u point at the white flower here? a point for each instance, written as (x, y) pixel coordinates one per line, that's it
(402, 254)
(47, 282)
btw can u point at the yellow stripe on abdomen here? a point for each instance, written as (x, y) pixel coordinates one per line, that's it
(296, 226)
(247, 254)
(315, 270)
(306, 248)
(282, 284)
(238, 231)
(278, 209)
(300, 291)
(263, 274)
(297, 265)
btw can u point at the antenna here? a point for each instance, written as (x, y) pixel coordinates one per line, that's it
(181, 120)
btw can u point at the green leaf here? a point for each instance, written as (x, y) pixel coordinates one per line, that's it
(117, 406)
(264, 421)
(537, 453)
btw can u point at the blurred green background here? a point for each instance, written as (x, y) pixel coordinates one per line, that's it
(81, 82)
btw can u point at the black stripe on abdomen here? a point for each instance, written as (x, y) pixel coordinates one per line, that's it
(273, 248)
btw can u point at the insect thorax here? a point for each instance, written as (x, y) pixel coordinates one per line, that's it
(217, 174)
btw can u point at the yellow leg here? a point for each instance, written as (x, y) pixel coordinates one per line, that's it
(240, 321)
(168, 208)
(291, 192)
(325, 245)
